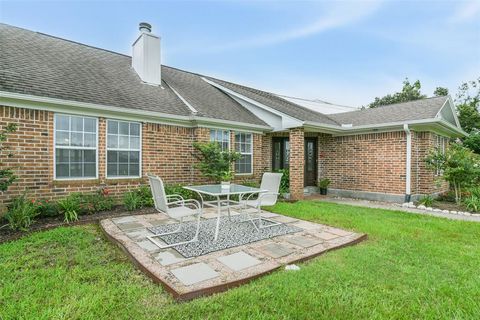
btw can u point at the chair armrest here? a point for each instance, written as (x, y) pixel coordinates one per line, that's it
(175, 197)
(183, 202)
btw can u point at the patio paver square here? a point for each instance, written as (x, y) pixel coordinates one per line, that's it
(339, 232)
(124, 219)
(327, 236)
(284, 219)
(168, 257)
(302, 241)
(194, 273)
(276, 250)
(148, 245)
(138, 234)
(239, 261)
(129, 226)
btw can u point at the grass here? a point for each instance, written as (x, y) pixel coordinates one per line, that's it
(411, 266)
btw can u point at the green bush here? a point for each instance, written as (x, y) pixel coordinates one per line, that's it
(70, 207)
(472, 203)
(285, 181)
(132, 200)
(47, 208)
(427, 200)
(214, 163)
(178, 189)
(96, 202)
(324, 183)
(21, 213)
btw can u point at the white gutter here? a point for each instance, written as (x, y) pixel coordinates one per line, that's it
(408, 169)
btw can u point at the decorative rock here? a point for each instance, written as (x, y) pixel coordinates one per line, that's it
(437, 210)
(292, 267)
(445, 211)
(454, 212)
(405, 205)
(429, 208)
(411, 205)
(421, 207)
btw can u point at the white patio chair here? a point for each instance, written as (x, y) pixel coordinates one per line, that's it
(175, 206)
(270, 182)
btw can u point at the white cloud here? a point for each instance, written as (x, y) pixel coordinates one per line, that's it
(465, 12)
(339, 14)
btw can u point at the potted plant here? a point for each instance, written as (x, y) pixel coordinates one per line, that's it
(323, 185)
(226, 177)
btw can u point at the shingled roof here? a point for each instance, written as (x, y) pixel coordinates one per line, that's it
(398, 112)
(37, 64)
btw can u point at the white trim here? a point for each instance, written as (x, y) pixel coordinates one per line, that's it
(140, 163)
(129, 114)
(454, 112)
(73, 148)
(408, 169)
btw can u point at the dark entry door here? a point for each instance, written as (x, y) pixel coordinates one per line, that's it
(310, 176)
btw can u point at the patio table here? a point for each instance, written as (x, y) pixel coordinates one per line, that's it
(217, 191)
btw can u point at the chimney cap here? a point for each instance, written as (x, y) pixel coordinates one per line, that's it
(145, 27)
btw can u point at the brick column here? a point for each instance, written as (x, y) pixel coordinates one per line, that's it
(297, 162)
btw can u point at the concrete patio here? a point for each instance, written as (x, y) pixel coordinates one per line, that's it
(188, 278)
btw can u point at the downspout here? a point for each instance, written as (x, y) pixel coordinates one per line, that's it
(409, 163)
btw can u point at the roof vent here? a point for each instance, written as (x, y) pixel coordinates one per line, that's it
(347, 125)
(145, 27)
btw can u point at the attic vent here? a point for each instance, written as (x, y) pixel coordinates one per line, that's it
(348, 125)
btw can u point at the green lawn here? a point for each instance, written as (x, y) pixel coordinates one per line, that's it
(411, 266)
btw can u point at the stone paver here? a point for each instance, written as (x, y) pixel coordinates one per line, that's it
(168, 257)
(327, 236)
(129, 225)
(124, 219)
(276, 250)
(239, 261)
(148, 245)
(138, 234)
(284, 219)
(194, 273)
(302, 241)
(339, 232)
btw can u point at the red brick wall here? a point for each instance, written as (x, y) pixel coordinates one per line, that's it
(297, 146)
(167, 151)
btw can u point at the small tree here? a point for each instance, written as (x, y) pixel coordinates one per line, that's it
(473, 141)
(459, 165)
(409, 92)
(7, 176)
(213, 162)
(440, 92)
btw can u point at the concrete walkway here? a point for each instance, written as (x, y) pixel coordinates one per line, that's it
(394, 206)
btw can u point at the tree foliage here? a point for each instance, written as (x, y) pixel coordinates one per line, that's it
(7, 176)
(213, 162)
(473, 141)
(440, 92)
(459, 165)
(409, 92)
(468, 104)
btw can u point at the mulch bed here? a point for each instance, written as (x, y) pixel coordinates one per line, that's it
(446, 205)
(44, 223)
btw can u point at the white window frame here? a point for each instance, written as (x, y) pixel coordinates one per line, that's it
(221, 142)
(245, 153)
(73, 147)
(122, 149)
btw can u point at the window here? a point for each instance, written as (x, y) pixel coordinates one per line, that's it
(222, 137)
(243, 144)
(280, 153)
(123, 149)
(75, 147)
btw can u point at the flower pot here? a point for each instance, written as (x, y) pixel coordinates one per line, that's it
(323, 191)
(225, 184)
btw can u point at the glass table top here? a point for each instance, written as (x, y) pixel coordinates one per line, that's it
(217, 190)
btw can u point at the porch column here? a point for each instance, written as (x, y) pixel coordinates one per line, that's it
(297, 162)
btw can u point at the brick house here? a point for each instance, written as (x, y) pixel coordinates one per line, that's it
(88, 117)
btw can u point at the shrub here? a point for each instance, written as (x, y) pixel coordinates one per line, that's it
(324, 183)
(178, 189)
(96, 202)
(21, 213)
(427, 200)
(70, 207)
(132, 200)
(472, 203)
(47, 208)
(146, 196)
(473, 141)
(213, 162)
(284, 181)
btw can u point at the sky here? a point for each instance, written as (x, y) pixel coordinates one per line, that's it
(344, 52)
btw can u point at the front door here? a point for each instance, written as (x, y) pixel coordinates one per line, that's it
(310, 177)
